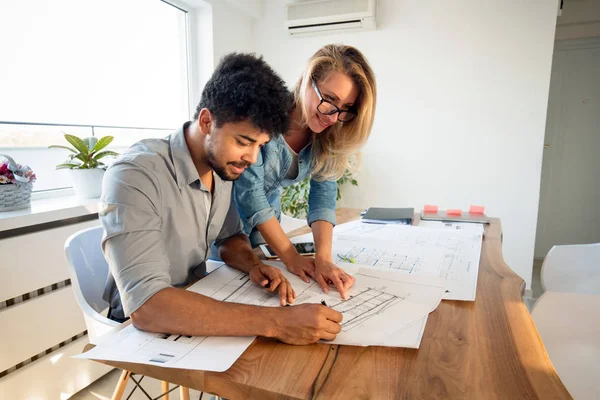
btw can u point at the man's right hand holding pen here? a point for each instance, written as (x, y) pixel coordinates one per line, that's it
(307, 323)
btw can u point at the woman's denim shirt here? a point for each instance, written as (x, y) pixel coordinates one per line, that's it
(257, 192)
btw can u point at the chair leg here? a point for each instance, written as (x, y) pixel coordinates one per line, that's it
(184, 393)
(121, 384)
(165, 389)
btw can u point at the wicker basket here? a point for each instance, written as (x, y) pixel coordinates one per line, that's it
(14, 196)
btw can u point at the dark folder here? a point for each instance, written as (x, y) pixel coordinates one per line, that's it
(380, 215)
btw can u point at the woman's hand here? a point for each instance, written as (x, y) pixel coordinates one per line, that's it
(323, 271)
(326, 271)
(302, 266)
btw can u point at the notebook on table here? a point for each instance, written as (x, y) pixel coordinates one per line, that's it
(382, 215)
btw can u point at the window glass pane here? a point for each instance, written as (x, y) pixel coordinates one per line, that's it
(88, 62)
(123, 137)
(93, 62)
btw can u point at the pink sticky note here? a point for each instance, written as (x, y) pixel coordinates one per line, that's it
(453, 212)
(476, 210)
(430, 209)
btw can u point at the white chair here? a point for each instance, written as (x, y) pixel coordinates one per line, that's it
(88, 270)
(569, 325)
(572, 268)
(567, 316)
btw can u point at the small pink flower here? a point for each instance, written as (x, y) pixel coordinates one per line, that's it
(30, 176)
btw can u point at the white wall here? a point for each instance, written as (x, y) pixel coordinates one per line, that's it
(232, 30)
(219, 28)
(253, 8)
(579, 19)
(461, 111)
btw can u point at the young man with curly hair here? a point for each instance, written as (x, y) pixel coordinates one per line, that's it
(165, 201)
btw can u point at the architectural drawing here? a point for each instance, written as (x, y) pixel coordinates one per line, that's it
(363, 305)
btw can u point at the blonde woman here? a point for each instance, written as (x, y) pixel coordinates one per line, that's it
(330, 120)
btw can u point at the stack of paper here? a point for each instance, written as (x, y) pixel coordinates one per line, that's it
(383, 309)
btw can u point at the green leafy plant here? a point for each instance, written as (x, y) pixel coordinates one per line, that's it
(294, 198)
(86, 152)
(347, 177)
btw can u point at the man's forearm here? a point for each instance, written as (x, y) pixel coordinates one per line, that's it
(178, 311)
(237, 253)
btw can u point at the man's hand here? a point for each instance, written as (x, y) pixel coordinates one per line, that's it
(301, 266)
(272, 279)
(326, 271)
(307, 323)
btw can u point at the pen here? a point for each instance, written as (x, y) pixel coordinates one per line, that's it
(349, 259)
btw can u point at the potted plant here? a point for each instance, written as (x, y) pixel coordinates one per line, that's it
(16, 182)
(84, 162)
(294, 198)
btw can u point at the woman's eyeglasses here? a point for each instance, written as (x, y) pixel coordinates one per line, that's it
(327, 108)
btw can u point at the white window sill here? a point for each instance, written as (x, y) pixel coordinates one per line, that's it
(48, 210)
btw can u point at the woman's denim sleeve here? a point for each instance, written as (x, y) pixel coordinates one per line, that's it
(250, 196)
(322, 201)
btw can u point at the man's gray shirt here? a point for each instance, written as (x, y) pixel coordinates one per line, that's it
(159, 221)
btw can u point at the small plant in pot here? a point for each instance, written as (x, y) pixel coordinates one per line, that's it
(84, 162)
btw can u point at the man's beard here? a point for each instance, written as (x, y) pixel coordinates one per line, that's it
(221, 169)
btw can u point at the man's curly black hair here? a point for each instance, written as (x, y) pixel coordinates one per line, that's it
(244, 87)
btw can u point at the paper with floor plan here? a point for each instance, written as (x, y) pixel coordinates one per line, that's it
(171, 351)
(450, 254)
(409, 336)
(385, 317)
(381, 308)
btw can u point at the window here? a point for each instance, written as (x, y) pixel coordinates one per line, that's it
(88, 67)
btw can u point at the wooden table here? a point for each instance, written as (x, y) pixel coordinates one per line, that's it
(487, 349)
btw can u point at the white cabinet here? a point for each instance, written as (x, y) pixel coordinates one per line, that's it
(38, 322)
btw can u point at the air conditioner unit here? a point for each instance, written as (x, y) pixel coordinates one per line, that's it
(329, 16)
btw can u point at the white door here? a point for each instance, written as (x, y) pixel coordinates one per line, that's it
(569, 211)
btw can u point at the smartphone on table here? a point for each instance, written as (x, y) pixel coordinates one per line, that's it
(303, 248)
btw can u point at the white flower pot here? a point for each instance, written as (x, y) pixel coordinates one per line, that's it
(87, 182)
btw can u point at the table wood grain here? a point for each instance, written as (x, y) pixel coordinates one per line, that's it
(486, 349)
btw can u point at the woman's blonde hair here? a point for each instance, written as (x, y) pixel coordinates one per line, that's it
(337, 148)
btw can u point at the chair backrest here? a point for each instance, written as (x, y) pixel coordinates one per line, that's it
(89, 270)
(572, 268)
